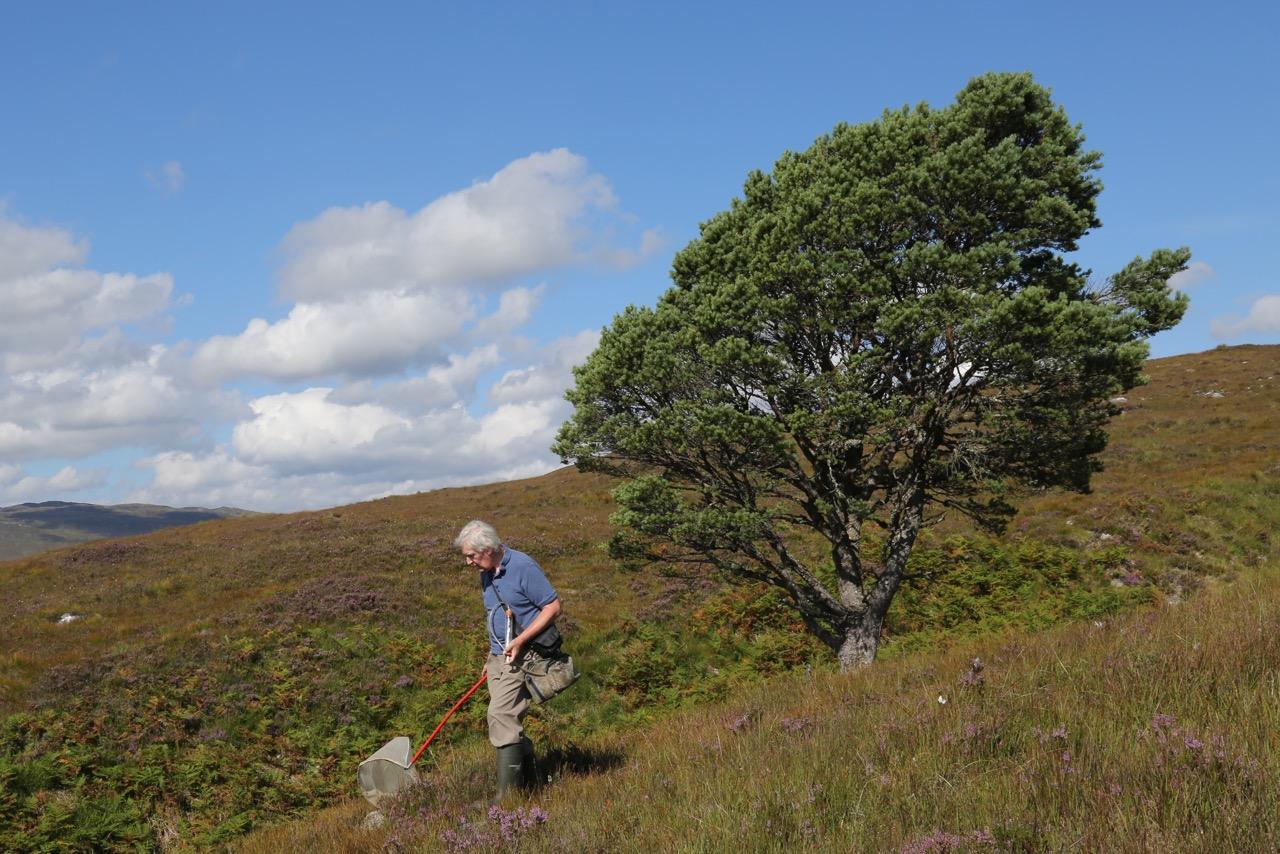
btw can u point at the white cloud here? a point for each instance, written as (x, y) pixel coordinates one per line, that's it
(368, 334)
(441, 386)
(49, 305)
(169, 176)
(511, 424)
(1197, 273)
(371, 334)
(25, 250)
(551, 376)
(1263, 317)
(185, 472)
(218, 479)
(400, 366)
(309, 433)
(305, 430)
(66, 303)
(325, 446)
(515, 308)
(215, 479)
(73, 381)
(76, 411)
(530, 216)
(66, 481)
(652, 241)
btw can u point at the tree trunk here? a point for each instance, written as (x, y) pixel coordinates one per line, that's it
(861, 640)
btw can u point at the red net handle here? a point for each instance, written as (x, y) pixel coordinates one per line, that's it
(449, 714)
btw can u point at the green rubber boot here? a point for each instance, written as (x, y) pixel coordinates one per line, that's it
(510, 770)
(531, 778)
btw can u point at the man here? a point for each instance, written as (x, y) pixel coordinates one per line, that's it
(521, 604)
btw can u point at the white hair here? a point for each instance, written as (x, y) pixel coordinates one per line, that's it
(478, 535)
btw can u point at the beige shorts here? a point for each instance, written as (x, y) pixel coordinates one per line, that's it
(508, 701)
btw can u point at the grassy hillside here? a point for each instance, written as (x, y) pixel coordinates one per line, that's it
(228, 676)
(1154, 731)
(30, 528)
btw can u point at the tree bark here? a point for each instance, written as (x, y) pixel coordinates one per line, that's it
(862, 636)
(858, 649)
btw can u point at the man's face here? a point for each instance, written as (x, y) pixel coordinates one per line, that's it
(482, 559)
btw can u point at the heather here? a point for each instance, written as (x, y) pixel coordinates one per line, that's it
(1153, 731)
(226, 678)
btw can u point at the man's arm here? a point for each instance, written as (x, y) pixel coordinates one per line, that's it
(546, 617)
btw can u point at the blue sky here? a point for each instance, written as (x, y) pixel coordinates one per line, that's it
(294, 255)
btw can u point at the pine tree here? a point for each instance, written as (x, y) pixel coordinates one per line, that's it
(884, 329)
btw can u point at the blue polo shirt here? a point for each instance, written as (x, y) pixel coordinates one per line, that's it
(524, 588)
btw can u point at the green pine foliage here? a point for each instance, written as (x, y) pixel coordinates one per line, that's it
(886, 327)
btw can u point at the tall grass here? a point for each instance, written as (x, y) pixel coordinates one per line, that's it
(1155, 731)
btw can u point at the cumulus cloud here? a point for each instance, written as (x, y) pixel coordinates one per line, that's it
(16, 487)
(400, 364)
(367, 334)
(330, 445)
(550, 376)
(168, 177)
(305, 430)
(25, 250)
(310, 432)
(448, 448)
(512, 425)
(49, 303)
(1197, 273)
(652, 241)
(74, 382)
(1263, 317)
(44, 317)
(530, 216)
(441, 386)
(213, 479)
(381, 291)
(371, 334)
(218, 478)
(76, 411)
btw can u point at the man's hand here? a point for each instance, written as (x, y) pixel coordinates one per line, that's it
(546, 617)
(513, 650)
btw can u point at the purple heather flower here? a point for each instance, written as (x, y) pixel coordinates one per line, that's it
(796, 724)
(941, 841)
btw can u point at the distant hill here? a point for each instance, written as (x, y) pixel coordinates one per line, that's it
(30, 528)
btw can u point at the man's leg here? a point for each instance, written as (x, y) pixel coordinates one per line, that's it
(508, 703)
(532, 779)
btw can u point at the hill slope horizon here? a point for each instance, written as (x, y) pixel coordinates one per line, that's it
(33, 527)
(229, 675)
